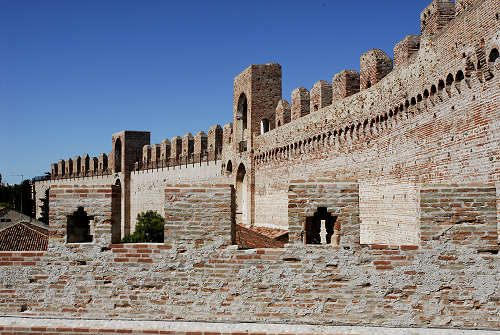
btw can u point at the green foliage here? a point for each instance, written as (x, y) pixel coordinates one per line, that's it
(149, 228)
(17, 197)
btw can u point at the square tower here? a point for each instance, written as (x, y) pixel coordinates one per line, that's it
(257, 91)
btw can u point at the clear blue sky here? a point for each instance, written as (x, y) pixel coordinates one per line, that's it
(74, 72)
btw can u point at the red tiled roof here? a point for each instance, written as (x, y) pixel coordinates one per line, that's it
(23, 237)
(259, 237)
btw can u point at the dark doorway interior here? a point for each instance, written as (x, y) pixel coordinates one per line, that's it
(313, 226)
(78, 228)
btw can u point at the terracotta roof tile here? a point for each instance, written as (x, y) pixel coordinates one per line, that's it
(23, 237)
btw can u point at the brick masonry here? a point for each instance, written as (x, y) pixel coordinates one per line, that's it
(407, 159)
(32, 326)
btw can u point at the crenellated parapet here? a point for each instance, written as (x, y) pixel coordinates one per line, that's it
(175, 148)
(374, 65)
(187, 146)
(81, 166)
(405, 49)
(85, 164)
(184, 150)
(300, 103)
(283, 113)
(345, 84)
(321, 95)
(200, 144)
(165, 150)
(214, 142)
(258, 106)
(436, 16)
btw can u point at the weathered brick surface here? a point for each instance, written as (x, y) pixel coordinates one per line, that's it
(431, 125)
(389, 213)
(12, 325)
(203, 278)
(198, 213)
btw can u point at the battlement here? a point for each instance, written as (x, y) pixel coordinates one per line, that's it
(183, 151)
(80, 166)
(436, 16)
(385, 184)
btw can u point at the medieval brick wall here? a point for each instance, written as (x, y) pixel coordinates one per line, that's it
(199, 213)
(444, 283)
(389, 213)
(147, 187)
(432, 125)
(397, 129)
(36, 326)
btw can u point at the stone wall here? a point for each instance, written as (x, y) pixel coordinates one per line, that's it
(35, 326)
(199, 213)
(389, 213)
(341, 199)
(147, 187)
(442, 285)
(465, 214)
(42, 186)
(405, 127)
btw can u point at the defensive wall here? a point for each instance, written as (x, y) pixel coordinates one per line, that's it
(386, 180)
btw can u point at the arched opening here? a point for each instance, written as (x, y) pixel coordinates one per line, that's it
(320, 228)
(460, 76)
(117, 160)
(493, 56)
(426, 93)
(78, 227)
(264, 126)
(116, 212)
(242, 196)
(441, 85)
(229, 168)
(368, 84)
(449, 80)
(242, 110)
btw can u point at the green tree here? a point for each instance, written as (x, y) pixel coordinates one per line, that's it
(17, 197)
(149, 228)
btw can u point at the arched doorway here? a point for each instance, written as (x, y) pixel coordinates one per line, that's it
(229, 168)
(78, 227)
(117, 159)
(116, 212)
(242, 196)
(242, 110)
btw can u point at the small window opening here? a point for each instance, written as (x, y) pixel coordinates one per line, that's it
(459, 77)
(78, 227)
(449, 80)
(493, 56)
(316, 107)
(279, 123)
(242, 110)
(319, 228)
(441, 85)
(264, 126)
(368, 84)
(433, 89)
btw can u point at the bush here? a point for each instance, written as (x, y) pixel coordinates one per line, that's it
(149, 228)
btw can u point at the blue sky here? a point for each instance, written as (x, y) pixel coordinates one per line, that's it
(74, 72)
